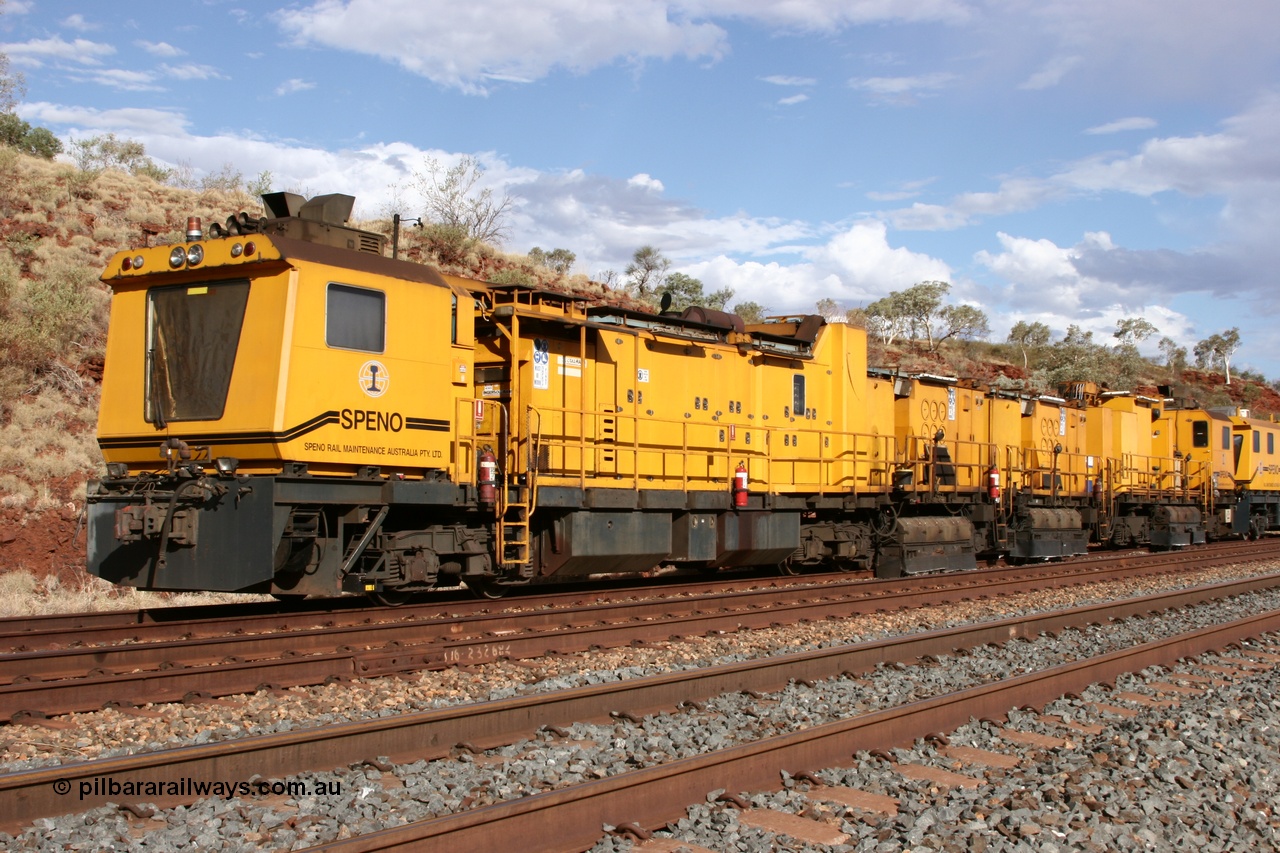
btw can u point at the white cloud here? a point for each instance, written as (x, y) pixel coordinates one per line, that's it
(469, 46)
(77, 22)
(863, 258)
(192, 72)
(1095, 283)
(854, 267)
(35, 53)
(1041, 276)
(1052, 72)
(928, 217)
(1122, 125)
(645, 182)
(142, 124)
(903, 90)
(1240, 164)
(293, 85)
(784, 80)
(1242, 157)
(117, 78)
(1178, 47)
(160, 48)
(793, 100)
(1173, 48)
(824, 15)
(909, 189)
(604, 220)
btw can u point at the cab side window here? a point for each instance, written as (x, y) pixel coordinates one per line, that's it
(1199, 433)
(355, 318)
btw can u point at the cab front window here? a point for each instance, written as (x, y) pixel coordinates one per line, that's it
(193, 332)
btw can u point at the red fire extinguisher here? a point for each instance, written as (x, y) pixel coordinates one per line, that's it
(488, 479)
(740, 486)
(993, 483)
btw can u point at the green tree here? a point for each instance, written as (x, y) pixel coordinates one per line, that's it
(647, 273)
(923, 305)
(1133, 330)
(1175, 357)
(260, 185)
(719, 299)
(750, 312)
(830, 310)
(1076, 356)
(686, 291)
(1220, 347)
(98, 153)
(1127, 362)
(227, 179)
(887, 317)
(12, 86)
(454, 198)
(1028, 337)
(36, 141)
(915, 311)
(557, 260)
(448, 244)
(962, 322)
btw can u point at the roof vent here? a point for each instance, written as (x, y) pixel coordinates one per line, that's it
(334, 208)
(322, 219)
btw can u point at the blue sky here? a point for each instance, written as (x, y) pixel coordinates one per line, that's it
(1062, 161)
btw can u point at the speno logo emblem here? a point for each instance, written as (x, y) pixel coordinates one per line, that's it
(374, 378)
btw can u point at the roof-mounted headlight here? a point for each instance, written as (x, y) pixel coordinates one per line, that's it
(177, 257)
(195, 255)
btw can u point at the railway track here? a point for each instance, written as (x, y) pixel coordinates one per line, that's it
(50, 631)
(39, 684)
(433, 734)
(651, 797)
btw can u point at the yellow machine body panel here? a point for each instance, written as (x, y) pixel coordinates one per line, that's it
(1004, 427)
(939, 421)
(281, 358)
(212, 312)
(1258, 464)
(1100, 433)
(1204, 440)
(650, 404)
(373, 399)
(1053, 458)
(1137, 464)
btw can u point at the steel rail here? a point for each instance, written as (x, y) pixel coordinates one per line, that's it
(51, 631)
(43, 684)
(651, 797)
(29, 795)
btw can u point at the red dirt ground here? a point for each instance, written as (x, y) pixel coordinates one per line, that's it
(45, 543)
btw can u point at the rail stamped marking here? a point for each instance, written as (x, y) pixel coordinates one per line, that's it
(476, 654)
